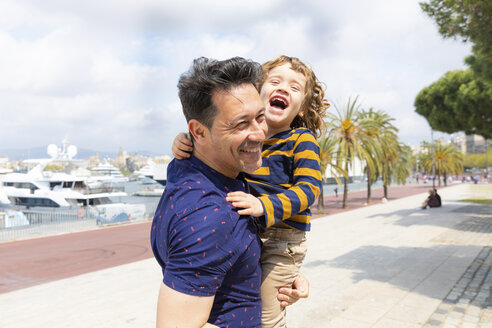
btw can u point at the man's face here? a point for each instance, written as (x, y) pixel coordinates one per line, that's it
(283, 93)
(238, 131)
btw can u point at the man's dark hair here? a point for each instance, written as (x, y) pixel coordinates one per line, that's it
(206, 76)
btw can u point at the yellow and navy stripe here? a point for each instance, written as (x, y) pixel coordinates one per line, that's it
(289, 179)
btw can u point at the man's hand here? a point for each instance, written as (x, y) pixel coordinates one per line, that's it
(288, 295)
(250, 204)
(182, 146)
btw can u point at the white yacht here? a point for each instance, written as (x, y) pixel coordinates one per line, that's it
(39, 188)
(154, 171)
(108, 172)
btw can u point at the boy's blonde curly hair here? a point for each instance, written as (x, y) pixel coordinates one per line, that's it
(314, 105)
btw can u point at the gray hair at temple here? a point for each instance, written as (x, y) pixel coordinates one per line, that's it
(207, 76)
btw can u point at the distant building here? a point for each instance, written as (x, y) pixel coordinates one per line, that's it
(94, 161)
(4, 161)
(355, 173)
(419, 149)
(120, 160)
(459, 140)
(475, 144)
(138, 161)
(5, 165)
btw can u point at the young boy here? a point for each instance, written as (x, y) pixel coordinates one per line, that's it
(288, 181)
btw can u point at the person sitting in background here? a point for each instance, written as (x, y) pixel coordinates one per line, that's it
(438, 198)
(432, 200)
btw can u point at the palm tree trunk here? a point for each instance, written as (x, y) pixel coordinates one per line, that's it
(345, 186)
(321, 200)
(385, 186)
(369, 182)
(445, 179)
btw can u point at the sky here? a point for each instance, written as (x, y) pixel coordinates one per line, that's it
(103, 74)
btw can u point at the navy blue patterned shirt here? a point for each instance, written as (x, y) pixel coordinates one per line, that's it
(204, 247)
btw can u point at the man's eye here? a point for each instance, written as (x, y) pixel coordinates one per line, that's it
(241, 125)
(260, 118)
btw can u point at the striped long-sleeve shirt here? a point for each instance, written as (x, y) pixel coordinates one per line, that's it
(289, 179)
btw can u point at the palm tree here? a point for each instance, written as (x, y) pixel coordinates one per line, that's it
(385, 134)
(397, 169)
(447, 159)
(328, 145)
(353, 139)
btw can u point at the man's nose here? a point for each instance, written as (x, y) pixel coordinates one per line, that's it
(257, 132)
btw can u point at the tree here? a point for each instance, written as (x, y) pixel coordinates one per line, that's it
(387, 141)
(353, 138)
(328, 145)
(481, 66)
(457, 102)
(470, 20)
(447, 158)
(400, 169)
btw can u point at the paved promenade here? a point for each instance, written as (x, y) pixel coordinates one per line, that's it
(387, 265)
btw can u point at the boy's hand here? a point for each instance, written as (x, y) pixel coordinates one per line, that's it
(288, 295)
(182, 146)
(250, 204)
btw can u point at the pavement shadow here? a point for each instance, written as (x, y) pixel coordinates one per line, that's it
(474, 216)
(404, 267)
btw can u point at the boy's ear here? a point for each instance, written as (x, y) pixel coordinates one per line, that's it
(198, 131)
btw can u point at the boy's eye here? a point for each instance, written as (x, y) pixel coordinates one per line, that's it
(296, 87)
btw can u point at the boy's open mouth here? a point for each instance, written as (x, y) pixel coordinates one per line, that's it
(279, 102)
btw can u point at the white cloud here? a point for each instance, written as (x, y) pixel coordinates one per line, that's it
(104, 74)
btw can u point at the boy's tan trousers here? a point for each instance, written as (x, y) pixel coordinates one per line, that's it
(282, 254)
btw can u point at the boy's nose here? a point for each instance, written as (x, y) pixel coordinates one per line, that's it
(281, 88)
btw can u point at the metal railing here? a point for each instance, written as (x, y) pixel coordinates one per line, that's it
(18, 224)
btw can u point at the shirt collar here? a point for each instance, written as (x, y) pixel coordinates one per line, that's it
(239, 183)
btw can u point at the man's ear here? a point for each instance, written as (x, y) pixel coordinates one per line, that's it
(198, 131)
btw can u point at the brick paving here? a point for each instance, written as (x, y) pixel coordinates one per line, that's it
(469, 303)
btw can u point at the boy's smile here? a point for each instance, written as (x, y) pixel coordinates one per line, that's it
(279, 102)
(283, 94)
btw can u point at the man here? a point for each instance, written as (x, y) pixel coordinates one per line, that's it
(208, 253)
(438, 198)
(432, 200)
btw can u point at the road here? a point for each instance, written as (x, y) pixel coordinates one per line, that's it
(35, 261)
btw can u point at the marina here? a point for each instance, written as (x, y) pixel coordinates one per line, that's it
(75, 198)
(21, 222)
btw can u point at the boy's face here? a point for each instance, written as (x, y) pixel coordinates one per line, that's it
(282, 93)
